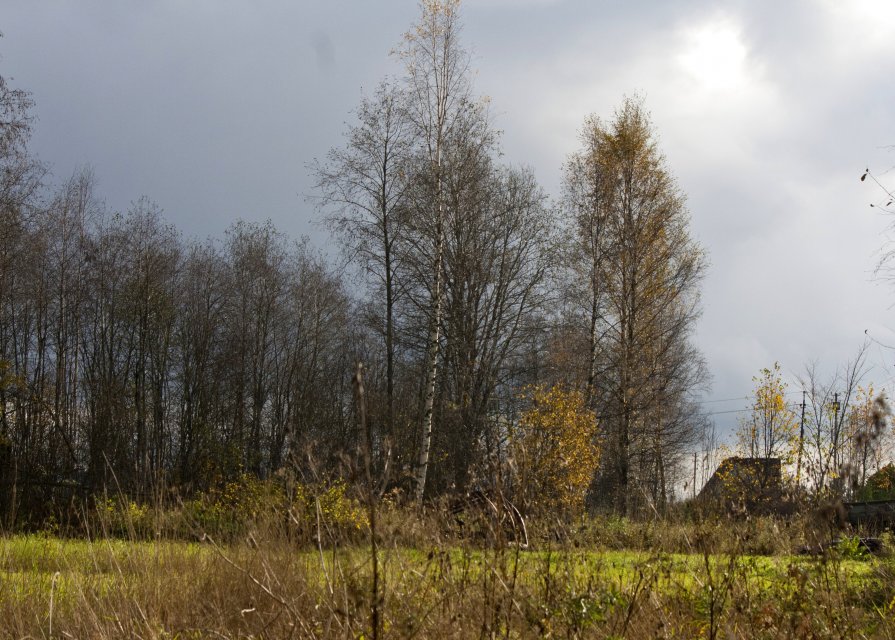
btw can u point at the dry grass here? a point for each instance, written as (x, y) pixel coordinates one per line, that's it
(598, 578)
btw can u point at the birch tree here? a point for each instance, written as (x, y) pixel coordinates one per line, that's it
(865, 443)
(771, 427)
(586, 192)
(642, 270)
(439, 90)
(198, 337)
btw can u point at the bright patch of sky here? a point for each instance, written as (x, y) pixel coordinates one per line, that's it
(714, 58)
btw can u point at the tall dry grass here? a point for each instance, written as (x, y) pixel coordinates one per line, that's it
(261, 571)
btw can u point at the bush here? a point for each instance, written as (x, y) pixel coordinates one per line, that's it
(555, 450)
(339, 514)
(236, 507)
(125, 518)
(249, 505)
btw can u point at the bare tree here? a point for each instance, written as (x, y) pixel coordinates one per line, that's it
(365, 184)
(198, 337)
(105, 352)
(20, 174)
(67, 226)
(314, 348)
(20, 180)
(154, 251)
(498, 250)
(256, 258)
(125, 353)
(829, 403)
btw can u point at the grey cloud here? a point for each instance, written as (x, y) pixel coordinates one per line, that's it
(225, 113)
(323, 50)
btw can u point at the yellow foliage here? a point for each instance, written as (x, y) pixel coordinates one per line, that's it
(336, 508)
(555, 449)
(248, 501)
(122, 517)
(771, 430)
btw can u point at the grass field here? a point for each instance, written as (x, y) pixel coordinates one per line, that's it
(270, 587)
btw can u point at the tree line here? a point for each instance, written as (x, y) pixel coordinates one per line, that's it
(133, 356)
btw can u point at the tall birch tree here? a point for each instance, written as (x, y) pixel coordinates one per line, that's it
(439, 91)
(643, 270)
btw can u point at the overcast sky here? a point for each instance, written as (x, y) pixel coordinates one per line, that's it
(767, 112)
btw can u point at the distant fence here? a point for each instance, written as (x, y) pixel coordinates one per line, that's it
(873, 514)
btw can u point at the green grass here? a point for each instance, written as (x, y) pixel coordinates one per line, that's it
(156, 589)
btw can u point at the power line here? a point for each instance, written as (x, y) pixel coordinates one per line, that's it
(724, 400)
(786, 393)
(718, 413)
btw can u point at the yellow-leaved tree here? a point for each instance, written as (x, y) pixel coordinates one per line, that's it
(771, 430)
(555, 450)
(767, 441)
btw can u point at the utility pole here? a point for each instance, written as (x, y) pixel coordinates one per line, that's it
(837, 443)
(694, 475)
(801, 444)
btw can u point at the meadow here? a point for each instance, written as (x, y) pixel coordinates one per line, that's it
(131, 573)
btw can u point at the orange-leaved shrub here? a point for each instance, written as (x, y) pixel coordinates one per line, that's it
(555, 450)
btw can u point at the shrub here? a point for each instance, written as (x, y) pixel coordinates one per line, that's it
(249, 505)
(555, 450)
(337, 514)
(236, 507)
(121, 517)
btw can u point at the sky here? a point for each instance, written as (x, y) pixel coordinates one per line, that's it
(767, 113)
